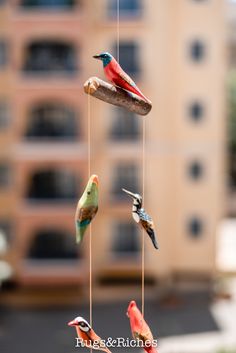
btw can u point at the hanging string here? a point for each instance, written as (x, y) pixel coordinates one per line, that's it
(143, 232)
(143, 161)
(90, 226)
(118, 30)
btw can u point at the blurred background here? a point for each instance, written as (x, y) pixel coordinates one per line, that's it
(182, 54)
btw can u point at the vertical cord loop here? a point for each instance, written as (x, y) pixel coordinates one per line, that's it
(143, 232)
(90, 226)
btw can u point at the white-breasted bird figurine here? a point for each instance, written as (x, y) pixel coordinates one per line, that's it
(88, 336)
(141, 217)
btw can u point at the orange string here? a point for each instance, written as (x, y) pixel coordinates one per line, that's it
(118, 30)
(90, 226)
(143, 232)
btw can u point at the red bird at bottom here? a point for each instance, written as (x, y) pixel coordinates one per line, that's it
(140, 328)
(117, 75)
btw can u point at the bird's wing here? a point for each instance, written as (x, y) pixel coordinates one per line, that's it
(144, 216)
(147, 223)
(86, 213)
(100, 344)
(143, 336)
(126, 78)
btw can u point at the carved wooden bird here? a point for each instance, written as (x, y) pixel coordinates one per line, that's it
(141, 217)
(117, 75)
(87, 207)
(139, 327)
(85, 332)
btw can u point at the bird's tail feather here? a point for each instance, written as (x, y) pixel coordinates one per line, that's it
(151, 350)
(106, 350)
(151, 234)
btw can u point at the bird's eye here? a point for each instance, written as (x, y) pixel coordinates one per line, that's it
(89, 192)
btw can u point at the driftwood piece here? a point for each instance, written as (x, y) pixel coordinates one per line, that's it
(116, 96)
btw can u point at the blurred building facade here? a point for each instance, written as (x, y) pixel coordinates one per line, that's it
(231, 165)
(175, 53)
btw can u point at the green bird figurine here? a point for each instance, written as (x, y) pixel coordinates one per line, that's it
(87, 208)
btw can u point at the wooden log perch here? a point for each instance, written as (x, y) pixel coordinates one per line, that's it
(116, 96)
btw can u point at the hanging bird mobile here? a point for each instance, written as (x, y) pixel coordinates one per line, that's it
(140, 329)
(87, 335)
(87, 208)
(117, 75)
(141, 217)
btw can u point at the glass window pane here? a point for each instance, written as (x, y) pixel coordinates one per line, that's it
(197, 50)
(125, 176)
(125, 126)
(52, 121)
(3, 54)
(127, 8)
(47, 56)
(50, 185)
(195, 227)
(4, 114)
(53, 244)
(125, 238)
(5, 175)
(129, 58)
(48, 3)
(195, 170)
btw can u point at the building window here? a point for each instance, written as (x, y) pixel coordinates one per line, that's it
(125, 126)
(3, 54)
(52, 121)
(125, 176)
(48, 3)
(53, 244)
(5, 175)
(50, 57)
(196, 111)
(197, 50)
(4, 114)
(5, 235)
(232, 54)
(195, 227)
(129, 58)
(127, 8)
(53, 185)
(195, 170)
(125, 239)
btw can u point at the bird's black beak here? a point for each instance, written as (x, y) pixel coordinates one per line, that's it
(97, 56)
(129, 193)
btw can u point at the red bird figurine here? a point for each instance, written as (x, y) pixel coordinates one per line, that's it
(116, 74)
(87, 335)
(140, 328)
